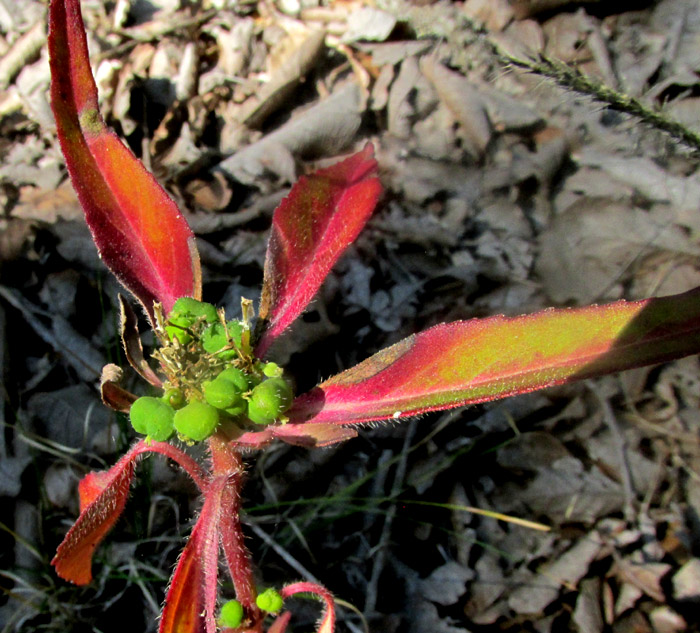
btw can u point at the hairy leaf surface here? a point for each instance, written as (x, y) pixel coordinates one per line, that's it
(312, 227)
(103, 495)
(483, 359)
(138, 229)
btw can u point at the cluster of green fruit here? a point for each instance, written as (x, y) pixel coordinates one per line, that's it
(231, 614)
(228, 389)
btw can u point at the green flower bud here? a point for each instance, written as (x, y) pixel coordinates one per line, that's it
(231, 614)
(269, 600)
(196, 421)
(152, 417)
(177, 328)
(222, 393)
(192, 307)
(272, 397)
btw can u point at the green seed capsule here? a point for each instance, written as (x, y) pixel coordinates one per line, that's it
(272, 397)
(231, 614)
(238, 377)
(152, 417)
(257, 415)
(272, 370)
(192, 307)
(196, 421)
(237, 409)
(175, 398)
(269, 600)
(177, 328)
(222, 393)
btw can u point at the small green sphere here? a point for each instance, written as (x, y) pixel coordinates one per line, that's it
(238, 377)
(272, 397)
(175, 398)
(177, 328)
(152, 417)
(192, 307)
(270, 600)
(272, 370)
(196, 421)
(237, 409)
(222, 393)
(257, 414)
(231, 614)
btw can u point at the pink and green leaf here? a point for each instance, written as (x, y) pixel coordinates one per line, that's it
(139, 231)
(316, 222)
(191, 601)
(103, 496)
(474, 361)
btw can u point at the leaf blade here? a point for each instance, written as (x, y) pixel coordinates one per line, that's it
(467, 362)
(322, 215)
(138, 229)
(103, 496)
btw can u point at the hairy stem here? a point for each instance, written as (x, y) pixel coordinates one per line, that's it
(226, 460)
(191, 467)
(571, 78)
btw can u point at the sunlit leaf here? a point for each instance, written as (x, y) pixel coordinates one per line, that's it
(138, 229)
(316, 222)
(483, 359)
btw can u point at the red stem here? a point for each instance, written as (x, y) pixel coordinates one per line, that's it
(191, 467)
(227, 460)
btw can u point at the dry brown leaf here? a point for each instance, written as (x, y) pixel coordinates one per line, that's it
(284, 80)
(464, 100)
(594, 246)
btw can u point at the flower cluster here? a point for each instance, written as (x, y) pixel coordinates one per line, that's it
(215, 382)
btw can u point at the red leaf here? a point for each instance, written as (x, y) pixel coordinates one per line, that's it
(102, 499)
(465, 362)
(191, 600)
(138, 229)
(316, 222)
(103, 495)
